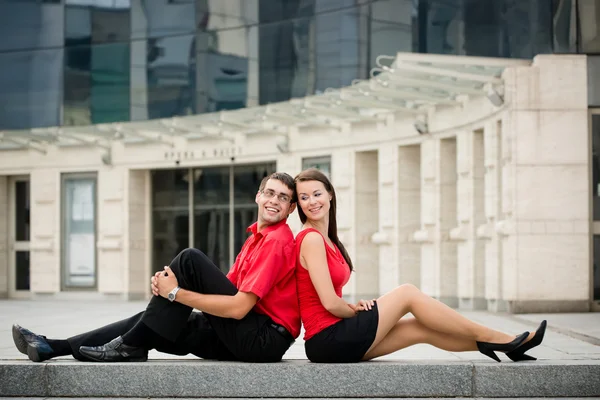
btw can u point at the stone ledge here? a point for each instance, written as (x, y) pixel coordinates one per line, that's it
(299, 378)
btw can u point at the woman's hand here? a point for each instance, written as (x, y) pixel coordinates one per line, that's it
(364, 305)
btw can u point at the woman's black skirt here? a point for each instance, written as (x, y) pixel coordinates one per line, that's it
(346, 341)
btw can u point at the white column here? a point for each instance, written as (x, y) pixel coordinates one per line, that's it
(470, 214)
(546, 250)
(343, 180)
(493, 211)
(409, 214)
(385, 237)
(138, 236)
(438, 216)
(111, 230)
(4, 221)
(366, 259)
(45, 231)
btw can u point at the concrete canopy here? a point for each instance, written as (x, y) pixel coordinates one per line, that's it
(408, 83)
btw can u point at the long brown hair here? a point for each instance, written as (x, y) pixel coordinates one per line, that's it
(313, 174)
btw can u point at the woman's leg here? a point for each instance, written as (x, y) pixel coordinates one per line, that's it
(409, 331)
(432, 314)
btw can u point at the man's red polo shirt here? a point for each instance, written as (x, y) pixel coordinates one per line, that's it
(266, 267)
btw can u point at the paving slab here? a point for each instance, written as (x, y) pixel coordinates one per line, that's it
(568, 365)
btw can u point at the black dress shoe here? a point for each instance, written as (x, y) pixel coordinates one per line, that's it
(114, 351)
(35, 346)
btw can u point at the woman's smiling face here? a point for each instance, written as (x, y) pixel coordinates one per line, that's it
(314, 199)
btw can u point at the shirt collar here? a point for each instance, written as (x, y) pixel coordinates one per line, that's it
(254, 228)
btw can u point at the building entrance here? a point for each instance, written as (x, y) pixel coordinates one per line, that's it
(206, 208)
(19, 237)
(595, 175)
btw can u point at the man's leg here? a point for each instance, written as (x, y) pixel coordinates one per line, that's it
(198, 338)
(195, 272)
(101, 335)
(250, 339)
(40, 348)
(165, 320)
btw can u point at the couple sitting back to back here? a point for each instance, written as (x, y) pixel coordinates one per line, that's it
(254, 312)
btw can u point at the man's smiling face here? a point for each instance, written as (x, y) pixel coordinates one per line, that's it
(274, 203)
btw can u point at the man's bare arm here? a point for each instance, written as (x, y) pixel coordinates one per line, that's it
(225, 306)
(236, 306)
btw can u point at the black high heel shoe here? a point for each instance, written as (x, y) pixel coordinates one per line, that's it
(489, 348)
(518, 354)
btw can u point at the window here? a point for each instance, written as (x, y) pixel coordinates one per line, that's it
(589, 22)
(79, 231)
(323, 164)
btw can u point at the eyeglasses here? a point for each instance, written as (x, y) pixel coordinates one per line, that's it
(284, 198)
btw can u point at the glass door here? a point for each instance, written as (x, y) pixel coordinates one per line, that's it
(19, 237)
(79, 231)
(595, 204)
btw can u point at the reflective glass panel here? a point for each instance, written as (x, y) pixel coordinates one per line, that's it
(589, 19)
(163, 63)
(503, 28)
(22, 223)
(247, 180)
(593, 75)
(596, 166)
(211, 234)
(79, 232)
(31, 58)
(596, 269)
(564, 26)
(97, 62)
(211, 214)
(323, 164)
(22, 270)
(211, 186)
(170, 215)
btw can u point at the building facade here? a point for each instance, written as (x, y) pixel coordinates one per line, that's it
(144, 127)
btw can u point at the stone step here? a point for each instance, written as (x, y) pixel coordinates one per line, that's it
(300, 378)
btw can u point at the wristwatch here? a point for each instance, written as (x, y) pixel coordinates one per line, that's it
(173, 293)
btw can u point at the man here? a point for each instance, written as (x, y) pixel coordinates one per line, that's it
(249, 315)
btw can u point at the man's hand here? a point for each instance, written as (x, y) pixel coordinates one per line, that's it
(163, 282)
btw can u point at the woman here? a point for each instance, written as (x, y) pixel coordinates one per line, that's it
(337, 331)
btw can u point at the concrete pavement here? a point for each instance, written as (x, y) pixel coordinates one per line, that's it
(568, 365)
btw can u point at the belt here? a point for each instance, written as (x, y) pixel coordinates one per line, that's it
(282, 331)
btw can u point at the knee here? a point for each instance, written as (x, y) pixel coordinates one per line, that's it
(193, 255)
(190, 252)
(407, 288)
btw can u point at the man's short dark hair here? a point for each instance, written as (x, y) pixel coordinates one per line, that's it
(284, 178)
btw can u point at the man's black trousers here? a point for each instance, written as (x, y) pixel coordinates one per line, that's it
(250, 339)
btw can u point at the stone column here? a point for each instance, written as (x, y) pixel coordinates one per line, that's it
(493, 211)
(138, 234)
(545, 182)
(385, 237)
(112, 265)
(366, 259)
(409, 214)
(4, 237)
(470, 213)
(45, 231)
(438, 216)
(343, 179)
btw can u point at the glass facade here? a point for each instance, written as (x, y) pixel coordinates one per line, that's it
(76, 62)
(222, 202)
